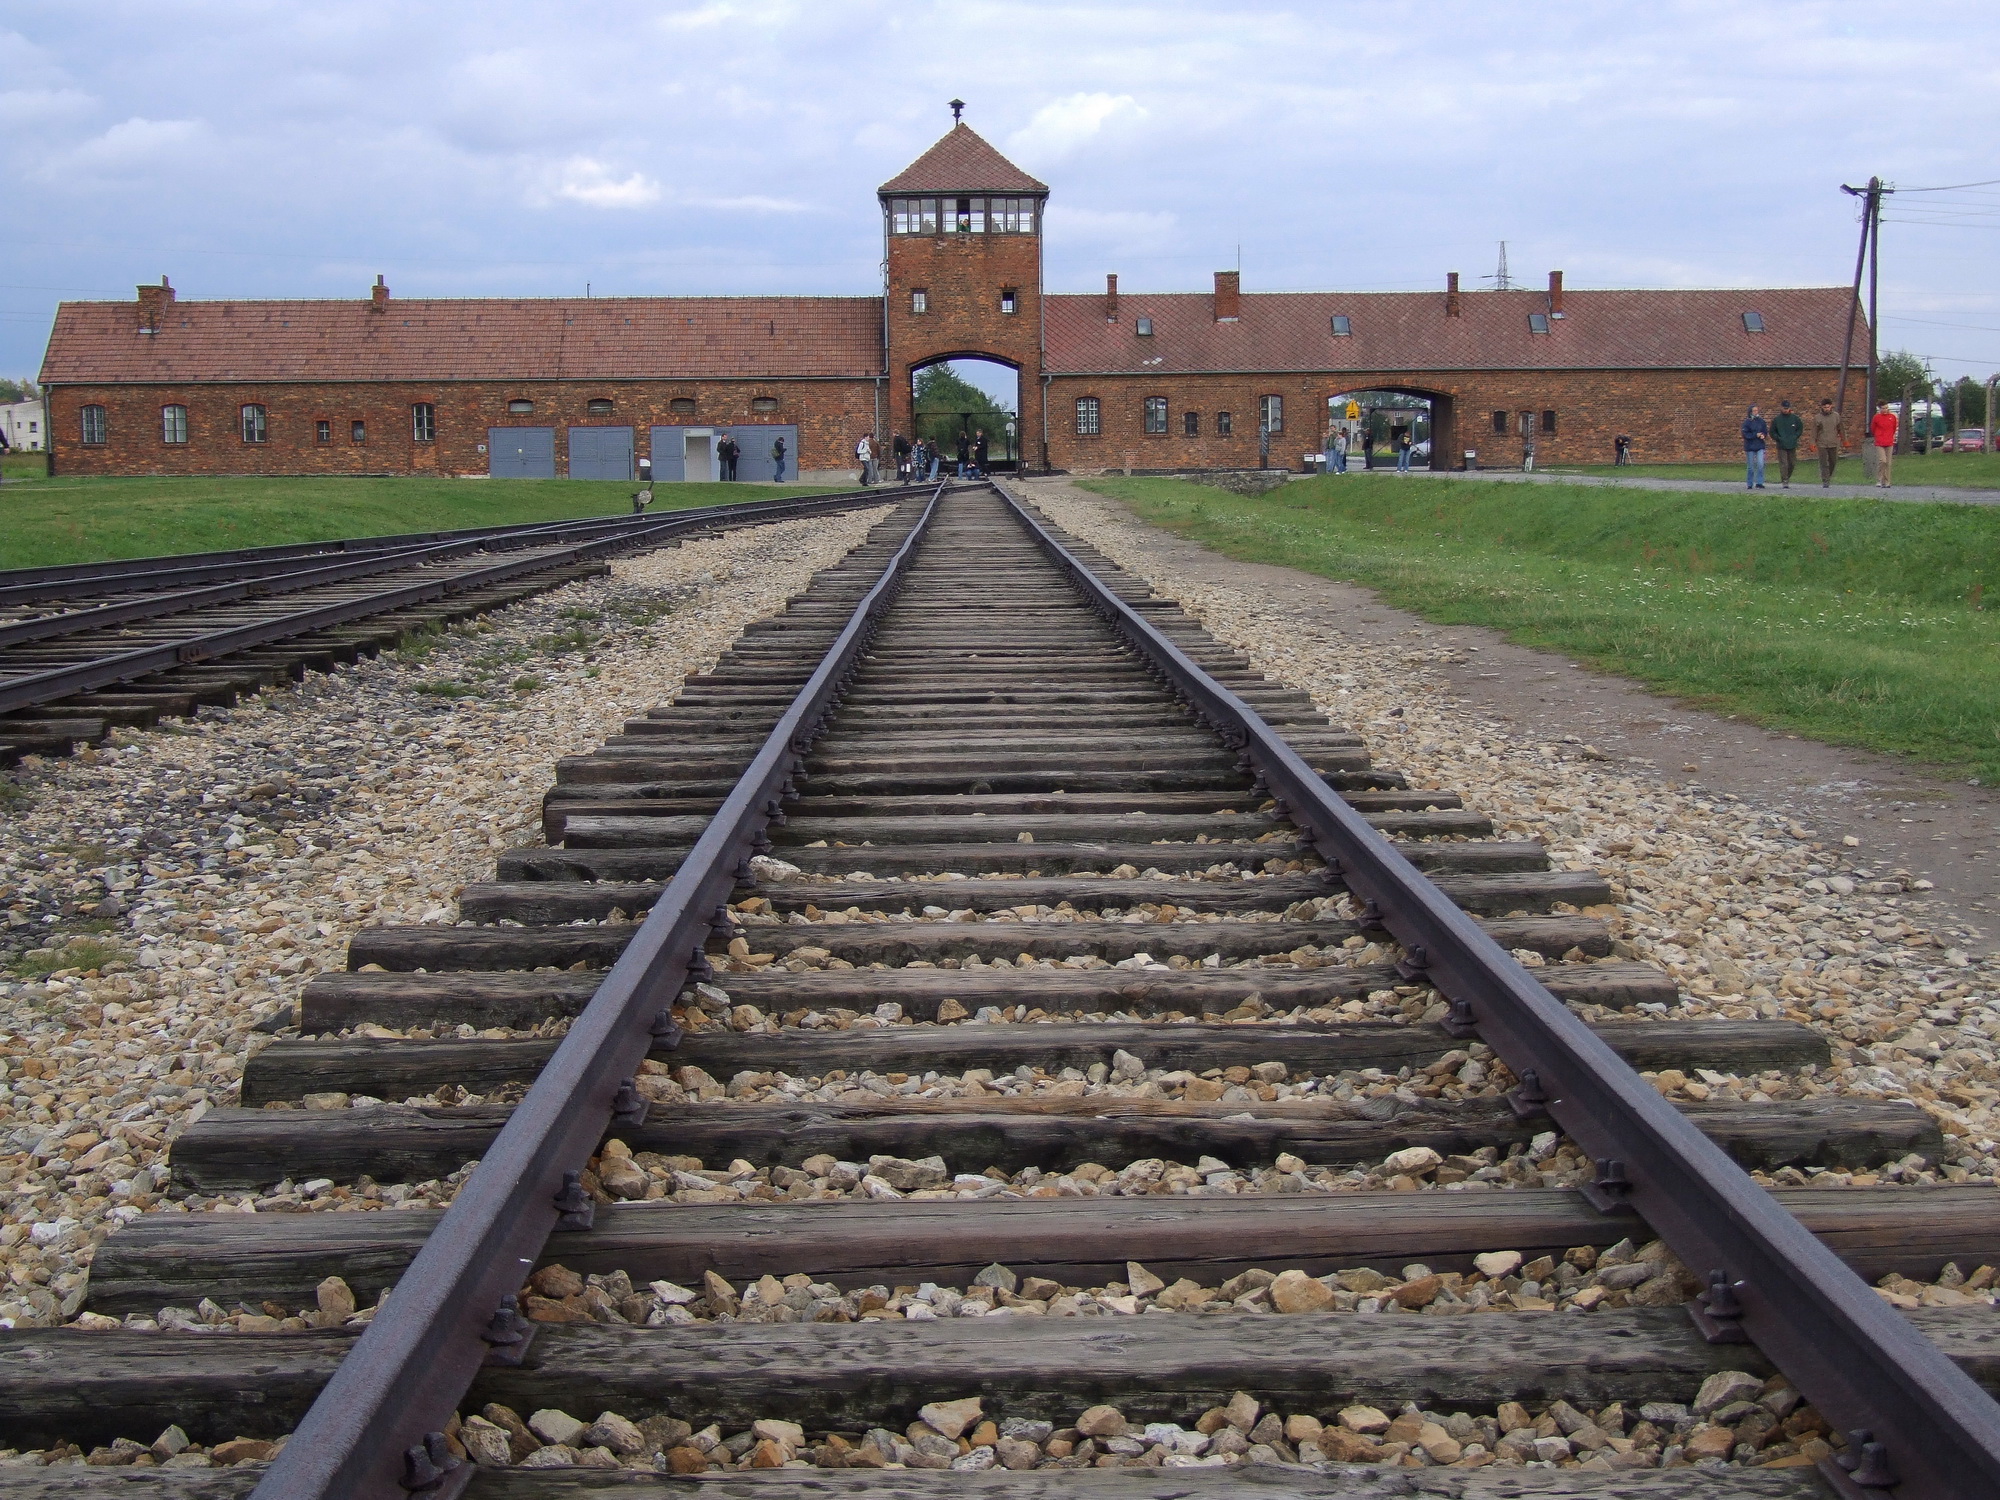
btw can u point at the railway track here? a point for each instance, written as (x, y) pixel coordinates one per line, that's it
(983, 1026)
(88, 647)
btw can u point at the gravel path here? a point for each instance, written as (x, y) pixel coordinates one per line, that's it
(166, 894)
(1753, 913)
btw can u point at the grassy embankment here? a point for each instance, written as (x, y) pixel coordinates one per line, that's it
(1970, 471)
(1849, 621)
(63, 520)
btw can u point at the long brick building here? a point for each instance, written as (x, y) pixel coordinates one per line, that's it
(1223, 378)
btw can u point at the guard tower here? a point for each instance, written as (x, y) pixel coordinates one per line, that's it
(962, 241)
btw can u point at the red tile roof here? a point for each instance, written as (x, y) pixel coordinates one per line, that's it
(962, 162)
(608, 338)
(1409, 331)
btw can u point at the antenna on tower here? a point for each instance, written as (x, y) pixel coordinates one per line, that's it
(1502, 282)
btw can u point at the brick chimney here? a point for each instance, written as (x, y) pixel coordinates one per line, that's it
(1556, 292)
(1111, 297)
(153, 304)
(1228, 296)
(1451, 308)
(378, 297)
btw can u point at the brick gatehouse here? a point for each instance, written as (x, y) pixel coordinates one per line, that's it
(1130, 381)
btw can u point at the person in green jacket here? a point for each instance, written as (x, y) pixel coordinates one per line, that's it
(1786, 430)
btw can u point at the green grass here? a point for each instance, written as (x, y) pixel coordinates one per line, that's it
(70, 520)
(24, 466)
(1850, 621)
(1972, 471)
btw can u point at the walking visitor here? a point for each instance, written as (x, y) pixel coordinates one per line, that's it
(1400, 439)
(1755, 431)
(1786, 430)
(900, 447)
(1340, 453)
(979, 451)
(778, 462)
(864, 453)
(1882, 428)
(1828, 439)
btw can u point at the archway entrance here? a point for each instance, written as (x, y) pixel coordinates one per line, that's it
(1377, 421)
(960, 399)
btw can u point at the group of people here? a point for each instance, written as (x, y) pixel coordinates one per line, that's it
(1787, 430)
(727, 452)
(1399, 441)
(919, 462)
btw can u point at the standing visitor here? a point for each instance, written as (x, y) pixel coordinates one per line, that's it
(900, 446)
(964, 453)
(1621, 450)
(1755, 431)
(778, 462)
(1340, 452)
(979, 451)
(726, 450)
(1400, 439)
(1828, 439)
(1786, 430)
(1882, 428)
(936, 459)
(1368, 447)
(864, 453)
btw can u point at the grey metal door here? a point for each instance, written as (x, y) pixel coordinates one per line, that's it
(521, 452)
(755, 445)
(669, 454)
(600, 453)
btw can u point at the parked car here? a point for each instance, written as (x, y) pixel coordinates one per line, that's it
(1971, 440)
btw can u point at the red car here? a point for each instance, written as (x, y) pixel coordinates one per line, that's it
(1971, 440)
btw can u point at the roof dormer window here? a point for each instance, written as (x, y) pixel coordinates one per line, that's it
(1144, 328)
(1343, 326)
(1753, 322)
(1538, 322)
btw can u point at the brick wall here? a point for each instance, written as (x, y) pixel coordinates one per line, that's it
(1672, 416)
(828, 414)
(962, 277)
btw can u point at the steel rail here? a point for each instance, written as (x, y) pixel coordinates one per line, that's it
(377, 1428)
(1927, 1428)
(26, 585)
(59, 682)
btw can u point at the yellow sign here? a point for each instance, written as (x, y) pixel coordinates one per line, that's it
(1353, 410)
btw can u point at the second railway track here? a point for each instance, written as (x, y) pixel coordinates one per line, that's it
(1031, 1042)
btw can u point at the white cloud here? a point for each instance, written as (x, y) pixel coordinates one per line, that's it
(585, 180)
(134, 145)
(1058, 128)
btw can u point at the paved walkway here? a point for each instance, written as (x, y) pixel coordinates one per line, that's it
(1913, 492)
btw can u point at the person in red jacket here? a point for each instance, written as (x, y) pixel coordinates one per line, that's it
(1882, 428)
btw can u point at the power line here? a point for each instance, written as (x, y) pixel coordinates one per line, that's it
(1950, 188)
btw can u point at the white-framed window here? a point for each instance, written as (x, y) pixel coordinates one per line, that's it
(1156, 414)
(1225, 424)
(323, 430)
(94, 428)
(1089, 417)
(173, 424)
(1010, 299)
(255, 423)
(920, 300)
(424, 422)
(1271, 413)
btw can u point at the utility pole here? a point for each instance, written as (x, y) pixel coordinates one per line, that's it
(1871, 253)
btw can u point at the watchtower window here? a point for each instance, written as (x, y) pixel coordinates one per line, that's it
(969, 215)
(598, 406)
(681, 406)
(763, 404)
(1010, 300)
(920, 299)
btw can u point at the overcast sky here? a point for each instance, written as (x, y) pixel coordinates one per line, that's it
(279, 149)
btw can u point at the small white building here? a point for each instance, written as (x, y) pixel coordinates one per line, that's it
(24, 425)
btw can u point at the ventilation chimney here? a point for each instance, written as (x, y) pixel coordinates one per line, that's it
(1451, 309)
(1556, 293)
(153, 303)
(1111, 297)
(378, 297)
(1228, 295)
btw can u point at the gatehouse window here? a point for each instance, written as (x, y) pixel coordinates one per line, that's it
(424, 422)
(254, 420)
(92, 418)
(598, 406)
(1089, 419)
(1009, 299)
(763, 404)
(681, 406)
(322, 431)
(1225, 424)
(1343, 326)
(1191, 424)
(520, 406)
(920, 299)
(173, 424)
(1271, 413)
(357, 431)
(971, 215)
(1156, 414)
(1500, 423)
(1549, 423)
